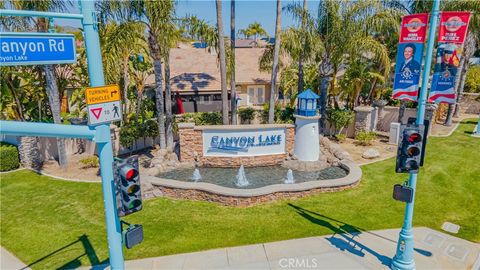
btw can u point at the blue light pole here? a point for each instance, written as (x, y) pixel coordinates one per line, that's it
(476, 132)
(104, 142)
(100, 134)
(404, 259)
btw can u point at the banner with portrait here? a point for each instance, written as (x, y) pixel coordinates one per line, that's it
(409, 56)
(407, 71)
(453, 28)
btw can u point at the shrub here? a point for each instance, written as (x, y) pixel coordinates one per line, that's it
(246, 114)
(365, 137)
(208, 118)
(129, 133)
(90, 162)
(472, 81)
(339, 119)
(149, 128)
(8, 157)
(280, 116)
(341, 137)
(286, 116)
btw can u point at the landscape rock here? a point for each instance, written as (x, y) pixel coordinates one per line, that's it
(371, 153)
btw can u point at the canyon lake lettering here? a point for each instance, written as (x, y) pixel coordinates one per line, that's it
(239, 143)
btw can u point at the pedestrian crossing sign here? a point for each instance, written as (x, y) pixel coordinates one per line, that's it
(104, 112)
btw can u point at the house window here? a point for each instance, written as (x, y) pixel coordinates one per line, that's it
(256, 95)
(205, 99)
(217, 97)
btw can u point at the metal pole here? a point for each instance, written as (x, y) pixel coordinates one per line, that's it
(30, 13)
(477, 131)
(103, 137)
(46, 130)
(404, 258)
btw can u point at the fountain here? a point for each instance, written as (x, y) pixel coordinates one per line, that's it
(196, 175)
(242, 180)
(289, 179)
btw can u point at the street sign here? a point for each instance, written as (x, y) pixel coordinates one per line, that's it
(36, 49)
(101, 94)
(104, 112)
(402, 193)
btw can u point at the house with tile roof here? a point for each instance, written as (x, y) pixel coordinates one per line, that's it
(195, 76)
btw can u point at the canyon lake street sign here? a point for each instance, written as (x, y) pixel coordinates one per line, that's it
(104, 112)
(36, 49)
(101, 94)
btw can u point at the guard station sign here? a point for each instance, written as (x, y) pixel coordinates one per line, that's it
(36, 49)
(103, 104)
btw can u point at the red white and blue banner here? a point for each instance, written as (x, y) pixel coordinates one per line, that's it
(452, 32)
(409, 56)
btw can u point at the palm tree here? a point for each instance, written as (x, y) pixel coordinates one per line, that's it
(51, 81)
(291, 48)
(233, 86)
(174, 36)
(119, 42)
(140, 69)
(255, 29)
(469, 50)
(157, 16)
(346, 29)
(300, 59)
(276, 53)
(245, 32)
(223, 65)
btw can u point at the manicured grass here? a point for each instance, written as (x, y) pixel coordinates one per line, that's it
(40, 216)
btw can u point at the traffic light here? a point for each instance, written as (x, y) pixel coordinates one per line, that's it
(127, 182)
(410, 148)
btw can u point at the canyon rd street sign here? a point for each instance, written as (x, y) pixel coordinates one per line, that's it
(101, 94)
(36, 49)
(104, 113)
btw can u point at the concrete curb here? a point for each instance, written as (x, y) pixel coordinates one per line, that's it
(455, 127)
(354, 176)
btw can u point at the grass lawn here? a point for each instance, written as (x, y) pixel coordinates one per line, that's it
(53, 224)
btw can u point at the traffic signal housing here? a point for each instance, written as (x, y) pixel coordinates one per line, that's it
(411, 147)
(127, 182)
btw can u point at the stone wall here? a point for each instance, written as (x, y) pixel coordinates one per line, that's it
(201, 195)
(191, 147)
(48, 146)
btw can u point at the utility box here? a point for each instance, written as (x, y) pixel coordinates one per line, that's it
(394, 133)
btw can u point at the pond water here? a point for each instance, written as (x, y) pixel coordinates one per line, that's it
(255, 176)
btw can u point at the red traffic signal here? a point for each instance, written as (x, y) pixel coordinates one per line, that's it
(128, 172)
(410, 148)
(127, 181)
(415, 137)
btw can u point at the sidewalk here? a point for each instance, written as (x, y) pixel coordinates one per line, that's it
(360, 250)
(8, 261)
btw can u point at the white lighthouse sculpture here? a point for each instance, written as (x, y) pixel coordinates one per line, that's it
(307, 146)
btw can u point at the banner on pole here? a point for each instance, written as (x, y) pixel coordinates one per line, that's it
(409, 56)
(453, 28)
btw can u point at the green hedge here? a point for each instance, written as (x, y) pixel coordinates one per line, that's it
(8, 157)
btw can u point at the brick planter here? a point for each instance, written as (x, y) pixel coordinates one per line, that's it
(247, 197)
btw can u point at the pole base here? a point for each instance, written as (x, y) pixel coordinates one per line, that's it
(401, 265)
(404, 257)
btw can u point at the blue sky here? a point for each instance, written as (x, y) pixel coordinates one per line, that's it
(247, 11)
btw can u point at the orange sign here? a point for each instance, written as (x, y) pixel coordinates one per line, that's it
(102, 94)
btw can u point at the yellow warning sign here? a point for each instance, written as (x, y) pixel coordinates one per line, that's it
(102, 94)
